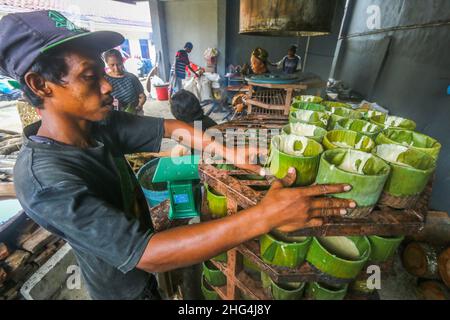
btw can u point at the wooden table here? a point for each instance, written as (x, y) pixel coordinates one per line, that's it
(277, 99)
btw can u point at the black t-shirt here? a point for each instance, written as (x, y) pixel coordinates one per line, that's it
(91, 198)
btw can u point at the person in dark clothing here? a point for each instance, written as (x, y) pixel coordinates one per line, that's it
(71, 176)
(127, 88)
(185, 107)
(178, 71)
(291, 63)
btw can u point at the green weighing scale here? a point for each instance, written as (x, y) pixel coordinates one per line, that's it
(180, 173)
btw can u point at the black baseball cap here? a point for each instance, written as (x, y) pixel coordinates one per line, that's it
(25, 36)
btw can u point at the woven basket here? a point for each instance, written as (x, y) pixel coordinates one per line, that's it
(359, 212)
(396, 202)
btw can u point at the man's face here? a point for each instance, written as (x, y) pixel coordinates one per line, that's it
(291, 53)
(85, 94)
(115, 65)
(188, 50)
(257, 65)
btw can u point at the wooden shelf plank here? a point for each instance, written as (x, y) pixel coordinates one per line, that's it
(382, 221)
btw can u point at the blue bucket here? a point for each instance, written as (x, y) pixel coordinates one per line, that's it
(155, 193)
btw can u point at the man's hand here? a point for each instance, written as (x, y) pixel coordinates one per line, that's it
(289, 209)
(246, 158)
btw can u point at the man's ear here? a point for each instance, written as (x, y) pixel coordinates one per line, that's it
(38, 85)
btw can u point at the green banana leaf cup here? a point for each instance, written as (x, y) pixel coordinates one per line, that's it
(217, 204)
(306, 98)
(383, 248)
(367, 114)
(410, 169)
(208, 292)
(339, 257)
(321, 291)
(294, 151)
(337, 114)
(298, 105)
(283, 254)
(316, 118)
(305, 130)
(347, 139)
(336, 104)
(287, 291)
(361, 126)
(213, 276)
(393, 122)
(223, 257)
(410, 139)
(366, 173)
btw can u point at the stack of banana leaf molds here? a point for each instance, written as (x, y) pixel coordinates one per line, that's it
(381, 156)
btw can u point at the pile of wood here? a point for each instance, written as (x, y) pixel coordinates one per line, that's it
(22, 256)
(10, 144)
(427, 257)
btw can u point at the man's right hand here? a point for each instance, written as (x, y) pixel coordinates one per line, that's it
(289, 209)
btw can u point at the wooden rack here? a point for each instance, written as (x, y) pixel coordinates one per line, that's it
(242, 193)
(276, 98)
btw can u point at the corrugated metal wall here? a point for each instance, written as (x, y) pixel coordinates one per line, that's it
(404, 65)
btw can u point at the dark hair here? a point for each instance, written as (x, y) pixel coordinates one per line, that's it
(188, 45)
(112, 53)
(185, 106)
(293, 48)
(52, 67)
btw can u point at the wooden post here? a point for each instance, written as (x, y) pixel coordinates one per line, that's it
(436, 230)
(234, 265)
(4, 252)
(420, 260)
(7, 190)
(432, 290)
(444, 266)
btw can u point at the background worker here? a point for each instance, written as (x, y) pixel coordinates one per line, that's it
(127, 88)
(178, 71)
(291, 63)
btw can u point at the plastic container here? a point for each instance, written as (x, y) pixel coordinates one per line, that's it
(162, 92)
(155, 193)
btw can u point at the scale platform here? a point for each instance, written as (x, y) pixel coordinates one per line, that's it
(180, 174)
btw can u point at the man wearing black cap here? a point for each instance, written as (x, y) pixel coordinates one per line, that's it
(71, 176)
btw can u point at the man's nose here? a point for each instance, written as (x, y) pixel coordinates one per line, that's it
(105, 86)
